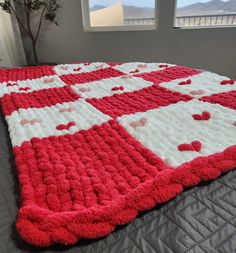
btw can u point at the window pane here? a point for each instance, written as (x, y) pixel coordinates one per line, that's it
(191, 13)
(121, 13)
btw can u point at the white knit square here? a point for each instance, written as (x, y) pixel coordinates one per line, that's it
(203, 84)
(77, 68)
(162, 130)
(141, 67)
(110, 86)
(30, 85)
(25, 124)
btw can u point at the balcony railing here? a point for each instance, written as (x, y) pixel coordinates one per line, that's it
(206, 20)
(189, 21)
(139, 21)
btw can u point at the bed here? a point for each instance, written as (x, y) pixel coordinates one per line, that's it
(198, 220)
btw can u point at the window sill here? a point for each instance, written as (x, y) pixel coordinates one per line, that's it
(120, 28)
(203, 27)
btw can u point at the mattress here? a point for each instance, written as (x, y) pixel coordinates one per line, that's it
(135, 122)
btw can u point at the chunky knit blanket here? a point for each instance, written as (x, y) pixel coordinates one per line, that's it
(96, 143)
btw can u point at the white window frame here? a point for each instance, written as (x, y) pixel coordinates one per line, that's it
(197, 27)
(88, 28)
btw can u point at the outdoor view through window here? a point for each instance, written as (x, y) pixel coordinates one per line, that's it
(189, 13)
(200, 13)
(121, 13)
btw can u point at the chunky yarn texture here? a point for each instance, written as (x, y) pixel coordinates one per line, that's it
(96, 143)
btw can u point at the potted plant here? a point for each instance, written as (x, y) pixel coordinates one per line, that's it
(25, 10)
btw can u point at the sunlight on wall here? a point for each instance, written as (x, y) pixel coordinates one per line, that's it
(110, 16)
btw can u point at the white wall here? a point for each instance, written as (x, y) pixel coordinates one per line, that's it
(212, 49)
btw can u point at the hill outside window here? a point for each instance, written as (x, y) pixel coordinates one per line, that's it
(205, 13)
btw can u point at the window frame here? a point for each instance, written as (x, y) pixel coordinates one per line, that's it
(197, 27)
(87, 27)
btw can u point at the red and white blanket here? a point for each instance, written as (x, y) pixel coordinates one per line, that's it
(95, 143)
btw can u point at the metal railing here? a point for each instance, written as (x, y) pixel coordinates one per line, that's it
(206, 20)
(189, 21)
(139, 21)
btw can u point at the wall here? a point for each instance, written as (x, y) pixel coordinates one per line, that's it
(212, 49)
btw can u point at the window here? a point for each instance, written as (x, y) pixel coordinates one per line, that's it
(205, 13)
(115, 15)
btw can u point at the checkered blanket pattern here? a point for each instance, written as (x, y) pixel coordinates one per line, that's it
(96, 143)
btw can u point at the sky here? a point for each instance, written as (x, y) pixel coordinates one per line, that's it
(182, 3)
(144, 3)
(138, 3)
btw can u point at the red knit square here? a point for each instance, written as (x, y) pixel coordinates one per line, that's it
(19, 74)
(227, 99)
(137, 101)
(37, 99)
(98, 165)
(90, 76)
(168, 74)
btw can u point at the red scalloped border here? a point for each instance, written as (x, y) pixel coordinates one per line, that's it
(41, 227)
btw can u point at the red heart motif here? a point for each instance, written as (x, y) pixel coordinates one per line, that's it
(134, 71)
(11, 84)
(101, 66)
(126, 77)
(197, 92)
(163, 66)
(78, 69)
(24, 89)
(194, 146)
(141, 122)
(189, 81)
(65, 126)
(64, 67)
(142, 65)
(31, 122)
(69, 109)
(231, 82)
(83, 89)
(50, 80)
(203, 116)
(117, 88)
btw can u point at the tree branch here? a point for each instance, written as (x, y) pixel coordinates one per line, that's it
(28, 20)
(18, 19)
(40, 24)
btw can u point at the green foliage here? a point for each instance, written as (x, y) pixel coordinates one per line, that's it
(6, 6)
(50, 8)
(34, 6)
